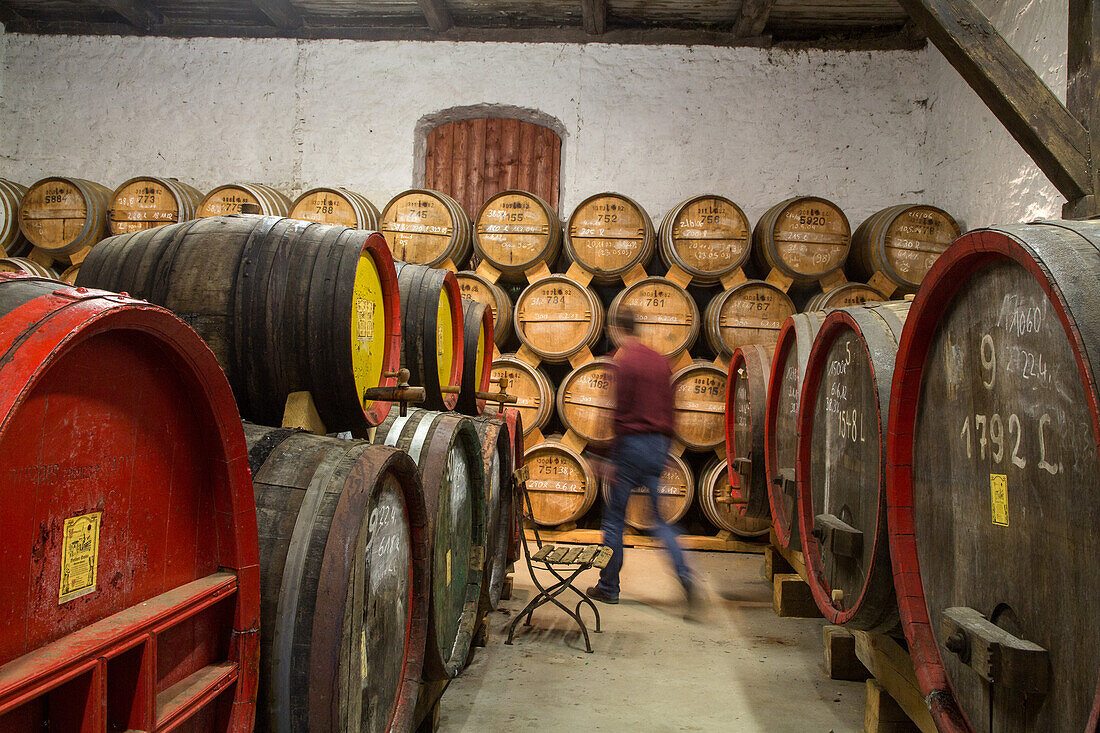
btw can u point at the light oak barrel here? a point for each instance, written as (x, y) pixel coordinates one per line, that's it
(64, 215)
(146, 202)
(805, 238)
(238, 198)
(609, 234)
(902, 242)
(427, 228)
(336, 206)
(515, 231)
(706, 236)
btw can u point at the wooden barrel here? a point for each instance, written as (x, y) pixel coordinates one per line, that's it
(515, 231)
(130, 589)
(447, 449)
(427, 228)
(477, 356)
(843, 296)
(70, 273)
(562, 485)
(666, 318)
(994, 478)
(708, 237)
(12, 241)
(676, 489)
(284, 305)
(146, 202)
(586, 400)
(557, 318)
(746, 400)
(715, 494)
(336, 206)
(498, 453)
(805, 238)
(238, 198)
(474, 286)
(532, 388)
(781, 423)
(513, 423)
(432, 332)
(748, 313)
(699, 394)
(344, 563)
(608, 235)
(842, 464)
(901, 242)
(64, 215)
(25, 266)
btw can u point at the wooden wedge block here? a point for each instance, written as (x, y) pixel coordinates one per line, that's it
(792, 597)
(841, 662)
(881, 713)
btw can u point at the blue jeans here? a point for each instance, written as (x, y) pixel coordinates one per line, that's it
(639, 461)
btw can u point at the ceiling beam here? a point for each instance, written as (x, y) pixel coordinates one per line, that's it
(280, 13)
(1054, 139)
(752, 18)
(594, 16)
(437, 14)
(1083, 94)
(138, 13)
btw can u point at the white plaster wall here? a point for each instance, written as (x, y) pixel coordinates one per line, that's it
(658, 123)
(975, 168)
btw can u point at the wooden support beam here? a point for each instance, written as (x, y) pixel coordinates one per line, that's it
(594, 15)
(437, 14)
(1083, 93)
(10, 16)
(280, 13)
(138, 13)
(752, 18)
(1054, 139)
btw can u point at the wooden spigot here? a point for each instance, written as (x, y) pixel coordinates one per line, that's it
(500, 397)
(401, 393)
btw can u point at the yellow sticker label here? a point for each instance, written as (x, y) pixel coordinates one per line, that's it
(79, 556)
(448, 567)
(998, 489)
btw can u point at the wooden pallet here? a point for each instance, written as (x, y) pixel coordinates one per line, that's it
(722, 542)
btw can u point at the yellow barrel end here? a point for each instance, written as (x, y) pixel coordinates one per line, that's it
(368, 326)
(444, 338)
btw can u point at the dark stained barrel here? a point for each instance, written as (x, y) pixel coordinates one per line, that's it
(513, 423)
(432, 338)
(842, 464)
(447, 450)
(498, 453)
(284, 305)
(898, 245)
(994, 479)
(129, 552)
(344, 563)
(746, 401)
(477, 356)
(781, 423)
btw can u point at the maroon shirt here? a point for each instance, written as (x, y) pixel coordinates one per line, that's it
(643, 392)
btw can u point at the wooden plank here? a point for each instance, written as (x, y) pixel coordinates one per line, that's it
(476, 157)
(526, 167)
(752, 18)
(431, 148)
(793, 557)
(141, 14)
(542, 552)
(508, 161)
(490, 166)
(892, 668)
(570, 557)
(882, 714)
(280, 13)
(542, 167)
(1083, 93)
(841, 662)
(555, 170)
(1011, 89)
(594, 16)
(437, 14)
(443, 155)
(460, 163)
(588, 554)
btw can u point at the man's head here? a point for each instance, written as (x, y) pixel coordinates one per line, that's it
(622, 324)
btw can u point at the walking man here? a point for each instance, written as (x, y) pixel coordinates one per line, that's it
(644, 421)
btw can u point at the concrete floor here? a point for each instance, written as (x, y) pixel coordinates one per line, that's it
(740, 668)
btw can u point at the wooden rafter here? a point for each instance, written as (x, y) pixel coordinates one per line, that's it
(594, 16)
(138, 13)
(437, 14)
(1083, 92)
(280, 13)
(752, 18)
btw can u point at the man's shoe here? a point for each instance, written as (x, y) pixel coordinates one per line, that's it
(694, 601)
(598, 594)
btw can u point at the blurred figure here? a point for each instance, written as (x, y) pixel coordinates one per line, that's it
(644, 420)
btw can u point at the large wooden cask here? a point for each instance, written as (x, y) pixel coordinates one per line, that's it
(721, 504)
(515, 231)
(676, 492)
(562, 485)
(804, 239)
(586, 400)
(61, 216)
(557, 318)
(130, 591)
(344, 581)
(750, 312)
(12, 241)
(146, 202)
(844, 296)
(336, 206)
(994, 480)
(666, 318)
(447, 450)
(781, 423)
(608, 235)
(746, 401)
(285, 306)
(477, 356)
(432, 332)
(698, 394)
(531, 387)
(476, 286)
(842, 420)
(26, 267)
(427, 228)
(498, 453)
(244, 198)
(707, 237)
(898, 245)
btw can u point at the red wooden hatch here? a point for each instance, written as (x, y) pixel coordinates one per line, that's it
(130, 593)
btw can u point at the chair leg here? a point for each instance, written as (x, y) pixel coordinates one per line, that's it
(595, 611)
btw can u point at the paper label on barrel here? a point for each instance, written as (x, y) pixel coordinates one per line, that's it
(998, 489)
(79, 556)
(365, 321)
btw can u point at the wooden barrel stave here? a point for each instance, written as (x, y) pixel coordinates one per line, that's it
(901, 242)
(844, 296)
(426, 227)
(805, 238)
(707, 237)
(432, 332)
(746, 397)
(531, 387)
(557, 318)
(607, 235)
(585, 400)
(475, 286)
(64, 215)
(713, 490)
(146, 202)
(499, 456)
(477, 357)
(25, 266)
(515, 231)
(234, 198)
(336, 206)
(666, 318)
(698, 393)
(676, 489)
(12, 241)
(748, 313)
(316, 499)
(562, 485)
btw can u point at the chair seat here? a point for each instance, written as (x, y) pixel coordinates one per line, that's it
(593, 556)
